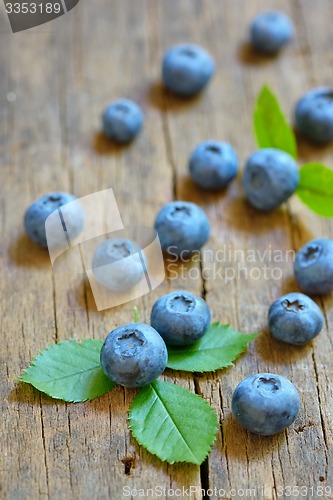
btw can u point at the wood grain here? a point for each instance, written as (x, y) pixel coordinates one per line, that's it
(62, 75)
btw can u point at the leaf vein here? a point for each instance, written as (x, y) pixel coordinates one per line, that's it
(174, 422)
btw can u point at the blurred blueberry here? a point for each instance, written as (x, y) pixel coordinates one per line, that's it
(182, 227)
(265, 403)
(118, 264)
(181, 318)
(270, 178)
(295, 318)
(122, 120)
(213, 164)
(313, 267)
(270, 31)
(314, 115)
(37, 213)
(134, 355)
(186, 69)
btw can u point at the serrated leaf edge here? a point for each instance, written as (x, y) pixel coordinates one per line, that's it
(222, 367)
(51, 346)
(216, 428)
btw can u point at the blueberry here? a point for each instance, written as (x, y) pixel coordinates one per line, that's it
(295, 318)
(118, 264)
(182, 227)
(122, 120)
(270, 31)
(265, 403)
(314, 115)
(213, 164)
(181, 318)
(313, 267)
(270, 178)
(186, 69)
(37, 213)
(134, 355)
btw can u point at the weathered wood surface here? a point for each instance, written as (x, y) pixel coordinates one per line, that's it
(62, 74)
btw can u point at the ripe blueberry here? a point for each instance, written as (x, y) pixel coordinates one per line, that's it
(122, 120)
(213, 164)
(265, 403)
(37, 213)
(270, 178)
(186, 69)
(134, 355)
(118, 264)
(270, 31)
(182, 227)
(181, 317)
(313, 267)
(295, 318)
(314, 115)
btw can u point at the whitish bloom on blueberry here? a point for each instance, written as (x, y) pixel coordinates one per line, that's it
(313, 267)
(186, 69)
(134, 355)
(122, 120)
(182, 227)
(314, 115)
(265, 403)
(118, 264)
(60, 228)
(270, 31)
(213, 164)
(180, 317)
(295, 318)
(270, 177)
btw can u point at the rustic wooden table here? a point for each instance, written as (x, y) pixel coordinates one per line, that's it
(55, 81)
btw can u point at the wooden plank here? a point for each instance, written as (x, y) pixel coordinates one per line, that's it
(61, 76)
(140, 189)
(241, 461)
(30, 168)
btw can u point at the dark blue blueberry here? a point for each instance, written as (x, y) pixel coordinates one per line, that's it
(118, 264)
(37, 213)
(270, 31)
(314, 115)
(182, 227)
(181, 318)
(134, 355)
(295, 318)
(313, 267)
(270, 177)
(186, 69)
(265, 403)
(122, 120)
(213, 164)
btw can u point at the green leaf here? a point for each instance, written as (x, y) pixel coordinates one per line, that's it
(173, 423)
(70, 371)
(316, 188)
(270, 124)
(220, 345)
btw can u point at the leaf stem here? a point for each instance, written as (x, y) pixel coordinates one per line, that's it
(136, 314)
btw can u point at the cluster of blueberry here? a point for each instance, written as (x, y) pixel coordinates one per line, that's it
(270, 175)
(136, 354)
